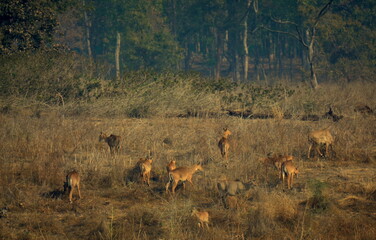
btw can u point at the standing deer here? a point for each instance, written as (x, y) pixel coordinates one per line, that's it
(182, 174)
(72, 181)
(145, 169)
(316, 138)
(288, 170)
(224, 144)
(171, 166)
(113, 141)
(202, 217)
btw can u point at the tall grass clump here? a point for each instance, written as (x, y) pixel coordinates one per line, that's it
(274, 214)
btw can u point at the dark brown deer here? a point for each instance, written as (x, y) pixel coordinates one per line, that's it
(224, 144)
(113, 141)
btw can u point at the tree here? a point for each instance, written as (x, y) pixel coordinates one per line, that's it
(146, 41)
(28, 24)
(347, 36)
(310, 14)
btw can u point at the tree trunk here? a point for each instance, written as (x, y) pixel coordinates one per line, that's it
(245, 45)
(313, 78)
(87, 32)
(117, 57)
(219, 51)
(188, 56)
(236, 67)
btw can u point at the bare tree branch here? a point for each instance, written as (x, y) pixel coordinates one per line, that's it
(284, 21)
(323, 11)
(301, 39)
(283, 32)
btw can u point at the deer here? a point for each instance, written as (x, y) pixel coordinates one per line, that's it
(288, 170)
(145, 169)
(224, 144)
(182, 174)
(232, 187)
(315, 138)
(72, 181)
(171, 166)
(113, 141)
(202, 217)
(276, 161)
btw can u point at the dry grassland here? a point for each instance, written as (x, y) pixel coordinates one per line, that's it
(331, 198)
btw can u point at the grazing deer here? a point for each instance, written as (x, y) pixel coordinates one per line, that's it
(182, 174)
(145, 169)
(276, 161)
(72, 181)
(202, 217)
(231, 187)
(281, 159)
(315, 138)
(113, 141)
(288, 170)
(224, 144)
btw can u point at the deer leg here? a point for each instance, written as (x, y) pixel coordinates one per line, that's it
(292, 180)
(327, 150)
(167, 185)
(79, 192)
(318, 150)
(174, 184)
(190, 181)
(283, 178)
(70, 194)
(309, 151)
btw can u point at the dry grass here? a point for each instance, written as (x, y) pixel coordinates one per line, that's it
(37, 151)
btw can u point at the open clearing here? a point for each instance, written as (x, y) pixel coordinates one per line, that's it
(331, 198)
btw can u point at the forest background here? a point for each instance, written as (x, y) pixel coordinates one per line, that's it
(69, 47)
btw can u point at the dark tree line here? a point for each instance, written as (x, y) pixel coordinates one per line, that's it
(247, 40)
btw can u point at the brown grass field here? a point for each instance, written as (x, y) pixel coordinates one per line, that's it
(332, 198)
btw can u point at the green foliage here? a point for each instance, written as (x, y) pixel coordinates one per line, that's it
(43, 74)
(347, 39)
(28, 25)
(318, 202)
(146, 40)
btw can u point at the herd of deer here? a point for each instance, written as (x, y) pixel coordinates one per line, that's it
(282, 163)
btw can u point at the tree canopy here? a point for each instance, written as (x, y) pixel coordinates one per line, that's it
(220, 38)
